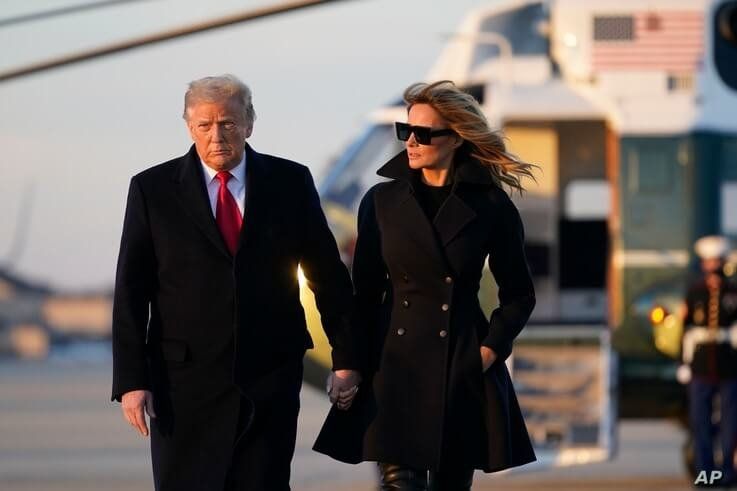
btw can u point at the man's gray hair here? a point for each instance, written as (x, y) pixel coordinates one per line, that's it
(220, 89)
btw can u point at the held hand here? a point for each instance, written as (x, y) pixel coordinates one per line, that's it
(133, 404)
(342, 387)
(487, 357)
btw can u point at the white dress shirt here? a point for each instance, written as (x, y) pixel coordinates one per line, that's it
(236, 184)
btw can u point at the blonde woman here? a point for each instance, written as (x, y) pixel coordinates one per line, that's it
(438, 402)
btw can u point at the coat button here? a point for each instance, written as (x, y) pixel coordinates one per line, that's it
(405, 303)
(448, 280)
(443, 333)
(401, 331)
(444, 307)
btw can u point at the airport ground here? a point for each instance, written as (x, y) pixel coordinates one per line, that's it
(59, 432)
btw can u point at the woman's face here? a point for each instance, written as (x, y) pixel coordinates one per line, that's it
(437, 155)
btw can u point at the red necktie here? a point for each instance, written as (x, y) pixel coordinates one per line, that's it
(227, 215)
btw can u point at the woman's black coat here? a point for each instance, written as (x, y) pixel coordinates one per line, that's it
(426, 402)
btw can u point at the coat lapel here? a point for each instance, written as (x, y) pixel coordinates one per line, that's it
(193, 197)
(453, 216)
(404, 209)
(257, 193)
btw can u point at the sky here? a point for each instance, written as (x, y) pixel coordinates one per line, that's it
(72, 138)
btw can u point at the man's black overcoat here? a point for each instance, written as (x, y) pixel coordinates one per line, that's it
(202, 329)
(429, 405)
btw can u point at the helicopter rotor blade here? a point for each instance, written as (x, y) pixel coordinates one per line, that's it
(179, 32)
(71, 9)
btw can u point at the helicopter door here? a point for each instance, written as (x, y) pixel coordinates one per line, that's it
(538, 144)
(583, 235)
(565, 215)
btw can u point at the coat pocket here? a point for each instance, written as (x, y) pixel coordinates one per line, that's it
(472, 353)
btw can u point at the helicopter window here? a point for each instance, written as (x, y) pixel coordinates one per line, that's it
(584, 247)
(521, 28)
(355, 171)
(680, 82)
(587, 199)
(724, 41)
(729, 208)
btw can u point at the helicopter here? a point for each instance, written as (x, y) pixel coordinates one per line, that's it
(627, 110)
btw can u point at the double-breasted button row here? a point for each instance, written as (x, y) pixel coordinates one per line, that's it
(402, 331)
(405, 278)
(444, 307)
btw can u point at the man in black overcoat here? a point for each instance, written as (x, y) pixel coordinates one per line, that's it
(208, 330)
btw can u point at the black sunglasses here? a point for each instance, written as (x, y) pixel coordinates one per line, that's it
(423, 134)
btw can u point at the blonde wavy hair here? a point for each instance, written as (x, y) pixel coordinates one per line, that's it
(465, 117)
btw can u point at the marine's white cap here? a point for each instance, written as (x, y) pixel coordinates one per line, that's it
(712, 247)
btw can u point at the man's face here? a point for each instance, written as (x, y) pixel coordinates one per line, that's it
(218, 130)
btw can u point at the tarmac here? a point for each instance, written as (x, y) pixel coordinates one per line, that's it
(60, 432)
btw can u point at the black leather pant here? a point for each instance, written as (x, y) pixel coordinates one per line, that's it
(399, 478)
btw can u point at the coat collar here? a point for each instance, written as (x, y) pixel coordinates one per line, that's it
(467, 171)
(193, 195)
(191, 158)
(259, 177)
(452, 217)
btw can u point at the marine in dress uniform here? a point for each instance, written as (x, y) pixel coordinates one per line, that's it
(710, 357)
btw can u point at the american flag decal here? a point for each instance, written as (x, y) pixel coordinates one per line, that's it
(669, 41)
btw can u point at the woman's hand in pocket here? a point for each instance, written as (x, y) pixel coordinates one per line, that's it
(487, 357)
